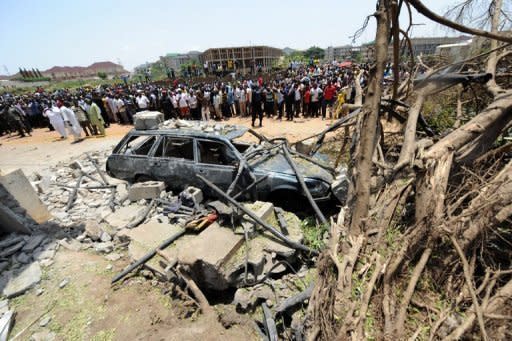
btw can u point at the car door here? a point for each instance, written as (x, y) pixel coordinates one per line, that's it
(130, 159)
(173, 161)
(216, 161)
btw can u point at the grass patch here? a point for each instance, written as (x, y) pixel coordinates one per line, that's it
(104, 335)
(313, 234)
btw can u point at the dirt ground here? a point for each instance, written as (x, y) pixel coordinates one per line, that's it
(88, 308)
(44, 148)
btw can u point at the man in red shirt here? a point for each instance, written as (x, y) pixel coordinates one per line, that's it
(329, 98)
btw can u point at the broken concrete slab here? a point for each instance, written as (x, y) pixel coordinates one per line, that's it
(33, 242)
(208, 252)
(23, 258)
(124, 215)
(10, 222)
(10, 240)
(264, 249)
(17, 184)
(148, 236)
(11, 249)
(18, 283)
(146, 190)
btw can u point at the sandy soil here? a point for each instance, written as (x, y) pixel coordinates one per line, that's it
(44, 149)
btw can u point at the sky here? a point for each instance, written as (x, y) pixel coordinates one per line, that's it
(42, 34)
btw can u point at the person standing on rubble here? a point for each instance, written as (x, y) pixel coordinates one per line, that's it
(95, 116)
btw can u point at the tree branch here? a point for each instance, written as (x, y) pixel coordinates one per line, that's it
(421, 8)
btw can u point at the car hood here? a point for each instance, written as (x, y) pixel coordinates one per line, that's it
(277, 163)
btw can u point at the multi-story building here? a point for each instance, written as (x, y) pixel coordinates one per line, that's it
(176, 60)
(243, 59)
(428, 45)
(340, 53)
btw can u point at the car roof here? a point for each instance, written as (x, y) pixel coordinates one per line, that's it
(195, 129)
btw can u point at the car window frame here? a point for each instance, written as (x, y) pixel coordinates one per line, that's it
(226, 143)
(126, 139)
(161, 137)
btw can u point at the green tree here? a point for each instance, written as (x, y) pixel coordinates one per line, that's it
(314, 52)
(102, 75)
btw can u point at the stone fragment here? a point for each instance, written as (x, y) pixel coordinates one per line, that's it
(23, 258)
(104, 247)
(33, 242)
(105, 237)
(64, 282)
(44, 321)
(11, 249)
(18, 283)
(71, 244)
(93, 230)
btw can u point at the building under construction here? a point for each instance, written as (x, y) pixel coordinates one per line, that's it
(244, 59)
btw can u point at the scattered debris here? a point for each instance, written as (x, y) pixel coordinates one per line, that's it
(63, 283)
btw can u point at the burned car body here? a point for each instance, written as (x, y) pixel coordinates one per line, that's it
(178, 150)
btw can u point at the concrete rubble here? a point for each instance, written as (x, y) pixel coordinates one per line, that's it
(119, 221)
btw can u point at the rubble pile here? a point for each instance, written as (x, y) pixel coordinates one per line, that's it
(219, 246)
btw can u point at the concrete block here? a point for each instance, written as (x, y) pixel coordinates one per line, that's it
(146, 190)
(17, 184)
(147, 120)
(194, 194)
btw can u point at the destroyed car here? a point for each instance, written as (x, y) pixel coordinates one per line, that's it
(176, 151)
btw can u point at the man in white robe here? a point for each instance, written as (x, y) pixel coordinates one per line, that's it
(70, 121)
(55, 118)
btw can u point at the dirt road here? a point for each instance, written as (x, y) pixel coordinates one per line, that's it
(44, 149)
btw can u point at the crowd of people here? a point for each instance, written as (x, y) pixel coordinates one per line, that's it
(301, 90)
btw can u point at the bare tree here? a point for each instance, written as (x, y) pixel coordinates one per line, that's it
(413, 252)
